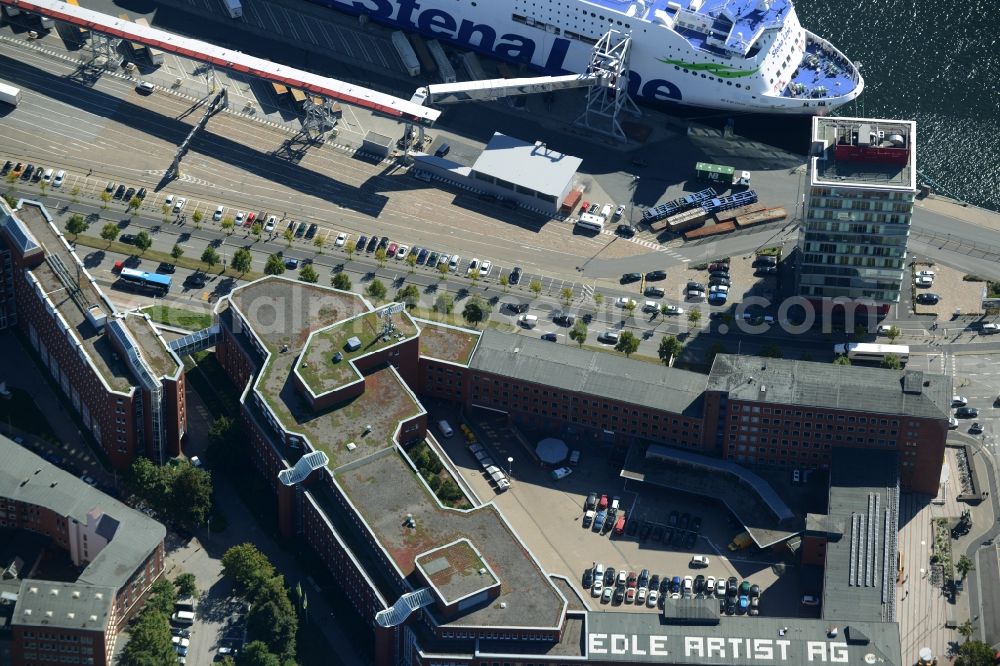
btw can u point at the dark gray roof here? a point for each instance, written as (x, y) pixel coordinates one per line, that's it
(594, 373)
(43, 603)
(28, 478)
(644, 637)
(830, 386)
(859, 579)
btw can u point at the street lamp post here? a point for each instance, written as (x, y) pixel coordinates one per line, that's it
(631, 198)
(510, 466)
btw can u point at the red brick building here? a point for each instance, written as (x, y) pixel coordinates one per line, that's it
(113, 368)
(119, 550)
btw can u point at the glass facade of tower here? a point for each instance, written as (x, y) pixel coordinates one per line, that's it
(854, 243)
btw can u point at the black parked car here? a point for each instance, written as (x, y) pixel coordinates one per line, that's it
(6, 167)
(195, 280)
(141, 193)
(384, 243)
(564, 319)
(656, 275)
(372, 244)
(765, 260)
(166, 268)
(966, 413)
(129, 193)
(697, 286)
(360, 245)
(928, 298)
(120, 192)
(631, 277)
(519, 308)
(625, 231)
(128, 239)
(609, 576)
(30, 169)
(588, 578)
(732, 585)
(312, 230)
(762, 271)
(515, 275)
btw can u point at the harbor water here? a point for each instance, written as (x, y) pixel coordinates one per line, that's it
(936, 63)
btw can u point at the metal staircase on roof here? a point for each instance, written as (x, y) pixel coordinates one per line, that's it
(72, 286)
(303, 468)
(396, 614)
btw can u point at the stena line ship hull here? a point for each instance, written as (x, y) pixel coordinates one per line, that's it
(749, 56)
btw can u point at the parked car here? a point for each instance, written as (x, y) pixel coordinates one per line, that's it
(624, 302)
(655, 292)
(656, 275)
(59, 178)
(341, 239)
(976, 428)
(311, 231)
(561, 473)
(372, 244)
(923, 281)
(699, 561)
(625, 231)
(967, 413)
(515, 276)
(928, 298)
(631, 277)
(164, 267)
(179, 204)
(959, 401)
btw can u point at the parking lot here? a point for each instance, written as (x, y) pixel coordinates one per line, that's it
(549, 515)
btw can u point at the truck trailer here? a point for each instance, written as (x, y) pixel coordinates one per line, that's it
(9, 94)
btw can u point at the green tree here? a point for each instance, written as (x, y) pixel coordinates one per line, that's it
(474, 275)
(11, 177)
(190, 494)
(289, 235)
(162, 597)
(272, 618)
(411, 261)
(133, 204)
(341, 281)
(197, 216)
(105, 199)
(670, 348)
(975, 653)
(770, 351)
(228, 224)
(966, 629)
(409, 295)
(714, 349)
(256, 653)
(442, 270)
(308, 274)
(242, 260)
(694, 316)
(318, 243)
(444, 303)
(109, 232)
(380, 257)
(349, 247)
(964, 566)
(376, 290)
(578, 333)
(504, 282)
(891, 362)
(149, 641)
(210, 257)
(74, 194)
(893, 333)
(630, 306)
(247, 567)
(841, 360)
(176, 251)
(535, 287)
(274, 265)
(256, 230)
(186, 585)
(566, 295)
(598, 298)
(76, 225)
(476, 310)
(627, 343)
(143, 241)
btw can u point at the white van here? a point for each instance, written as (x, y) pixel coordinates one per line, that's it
(606, 211)
(183, 618)
(528, 320)
(445, 429)
(650, 306)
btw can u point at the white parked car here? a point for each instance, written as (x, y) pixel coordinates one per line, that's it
(485, 268)
(179, 204)
(166, 202)
(952, 423)
(673, 310)
(58, 180)
(341, 239)
(959, 401)
(271, 222)
(640, 598)
(598, 586)
(653, 597)
(923, 281)
(990, 328)
(402, 251)
(473, 266)
(561, 473)
(217, 215)
(930, 274)
(239, 218)
(699, 561)
(710, 586)
(624, 302)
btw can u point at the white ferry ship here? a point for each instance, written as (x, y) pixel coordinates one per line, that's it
(739, 55)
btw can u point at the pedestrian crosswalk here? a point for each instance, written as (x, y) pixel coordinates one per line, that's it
(588, 291)
(652, 245)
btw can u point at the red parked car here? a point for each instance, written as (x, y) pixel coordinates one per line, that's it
(603, 504)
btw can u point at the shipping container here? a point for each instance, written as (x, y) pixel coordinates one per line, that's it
(155, 55)
(711, 230)
(571, 202)
(761, 217)
(689, 219)
(731, 215)
(446, 71)
(9, 94)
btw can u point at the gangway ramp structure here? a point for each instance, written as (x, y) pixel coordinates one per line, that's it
(231, 60)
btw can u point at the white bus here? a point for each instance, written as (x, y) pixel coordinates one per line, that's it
(865, 351)
(590, 222)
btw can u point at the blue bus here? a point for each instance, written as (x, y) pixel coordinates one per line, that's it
(152, 283)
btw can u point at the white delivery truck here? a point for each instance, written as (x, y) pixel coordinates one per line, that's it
(9, 94)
